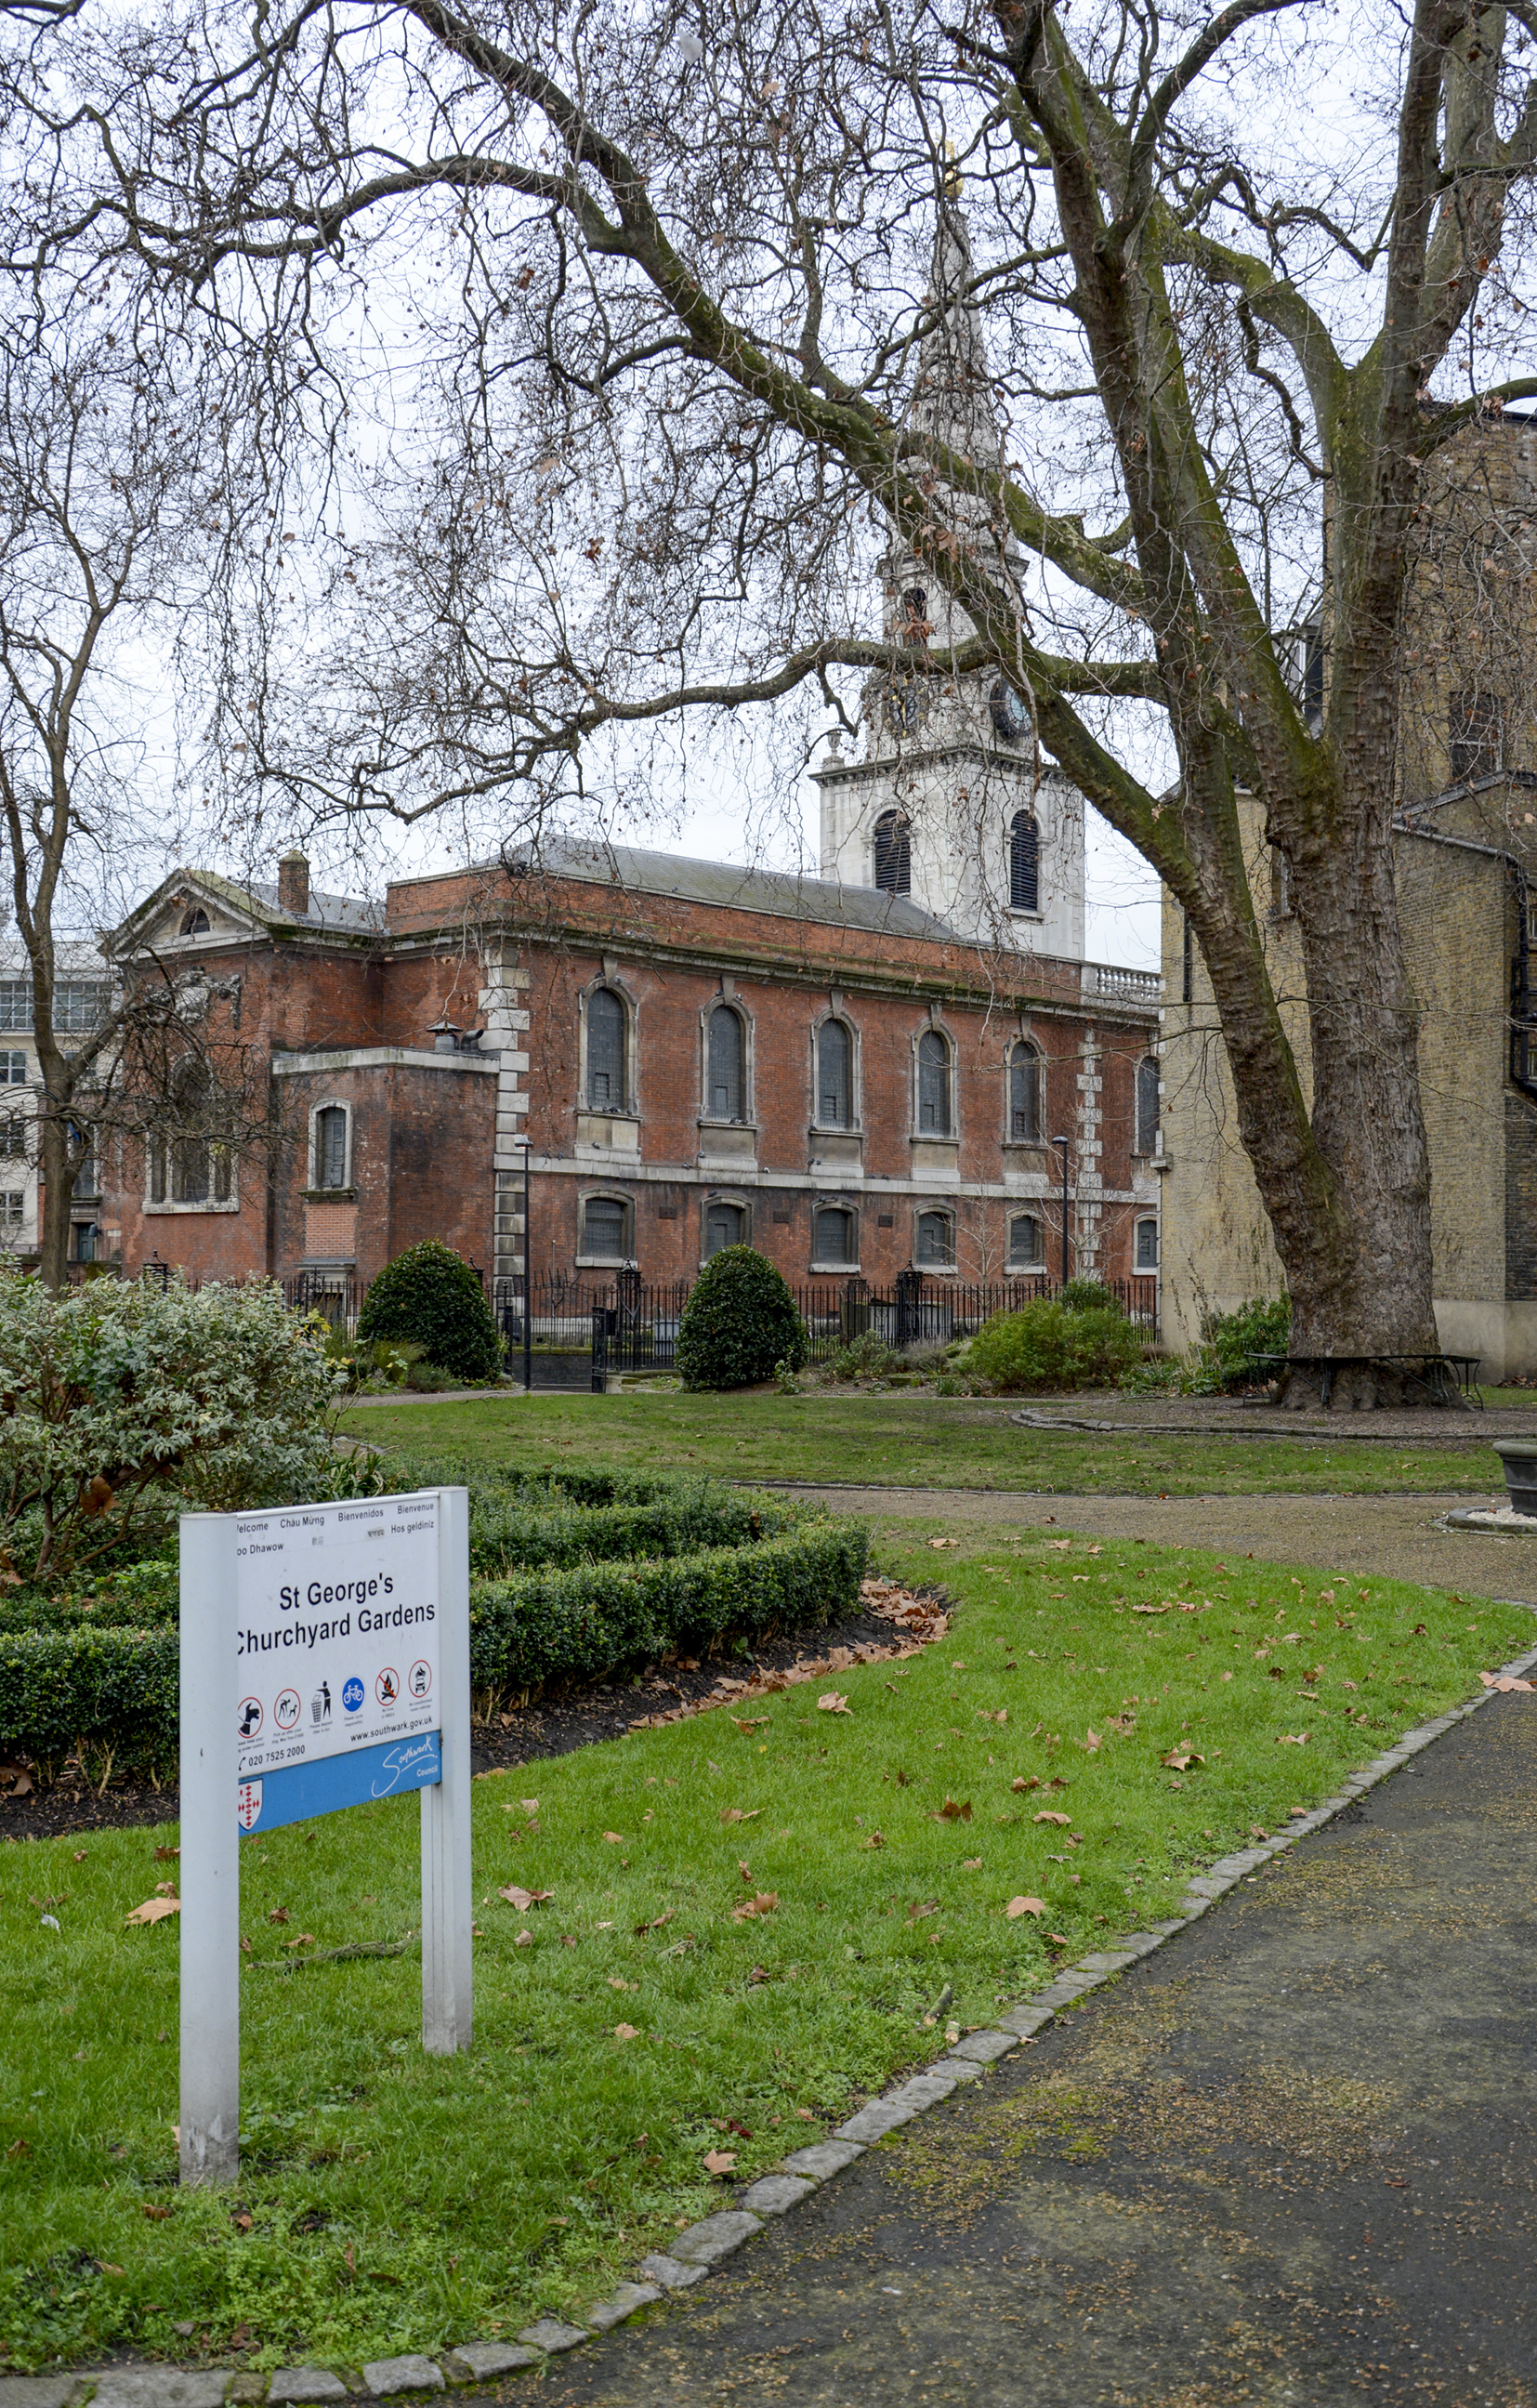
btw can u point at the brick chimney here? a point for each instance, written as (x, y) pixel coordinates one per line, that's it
(293, 882)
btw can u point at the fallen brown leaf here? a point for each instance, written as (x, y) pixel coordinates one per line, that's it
(304, 1940)
(970, 1864)
(166, 1855)
(1050, 1814)
(1504, 1683)
(1151, 1609)
(764, 1903)
(736, 1814)
(915, 1913)
(154, 1908)
(831, 1703)
(614, 1839)
(1089, 1742)
(1033, 1782)
(720, 2161)
(1018, 1906)
(876, 1840)
(279, 1914)
(625, 2031)
(1291, 1739)
(959, 1811)
(524, 1899)
(155, 2215)
(1179, 1759)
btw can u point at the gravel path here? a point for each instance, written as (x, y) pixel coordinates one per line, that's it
(1285, 2161)
(1393, 1537)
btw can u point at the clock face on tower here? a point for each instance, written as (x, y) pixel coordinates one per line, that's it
(1009, 716)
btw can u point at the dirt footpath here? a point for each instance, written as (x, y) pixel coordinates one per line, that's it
(1394, 1537)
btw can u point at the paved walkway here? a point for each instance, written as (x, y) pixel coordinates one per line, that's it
(1288, 2159)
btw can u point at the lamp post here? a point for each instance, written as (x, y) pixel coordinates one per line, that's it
(1064, 1143)
(528, 1277)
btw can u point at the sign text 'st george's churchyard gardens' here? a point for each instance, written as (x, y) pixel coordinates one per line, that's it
(324, 1664)
(336, 1645)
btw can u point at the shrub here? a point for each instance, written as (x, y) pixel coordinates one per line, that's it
(740, 1324)
(579, 1625)
(564, 1617)
(1087, 1295)
(1260, 1326)
(1051, 1346)
(119, 1398)
(432, 1298)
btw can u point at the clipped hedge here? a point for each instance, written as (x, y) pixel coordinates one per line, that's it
(114, 1689)
(576, 1626)
(586, 1603)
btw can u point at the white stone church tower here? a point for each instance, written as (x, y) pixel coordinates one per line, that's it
(945, 805)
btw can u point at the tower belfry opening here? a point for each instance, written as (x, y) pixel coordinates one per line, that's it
(948, 803)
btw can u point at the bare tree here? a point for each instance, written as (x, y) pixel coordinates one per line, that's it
(638, 313)
(103, 491)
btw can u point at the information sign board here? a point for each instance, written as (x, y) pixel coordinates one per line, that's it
(324, 1662)
(337, 1651)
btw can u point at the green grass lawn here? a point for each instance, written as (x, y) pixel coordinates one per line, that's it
(892, 1440)
(391, 2202)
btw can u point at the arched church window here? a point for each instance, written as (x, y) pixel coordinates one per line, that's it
(835, 1242)
(196, 923)
(727, 1094)
(933, 1084)
(935, 1236)
(915, 625)
(1024, 1095)
(1147, 1106)
(725, 1224)
(331, 1146)
(606, 1033)
(1024, 863)
(834, 1075)
(893, 853)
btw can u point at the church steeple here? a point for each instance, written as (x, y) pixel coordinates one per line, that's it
(945, 803)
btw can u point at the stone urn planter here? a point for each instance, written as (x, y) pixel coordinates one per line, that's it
(1519, 1458)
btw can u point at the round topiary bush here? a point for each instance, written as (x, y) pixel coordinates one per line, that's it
(740, 1324)
(430, 1296)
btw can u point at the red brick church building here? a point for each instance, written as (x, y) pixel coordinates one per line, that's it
(862, 1074)
(693, 1054)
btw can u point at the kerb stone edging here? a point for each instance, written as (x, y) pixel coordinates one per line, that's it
(691, 2255)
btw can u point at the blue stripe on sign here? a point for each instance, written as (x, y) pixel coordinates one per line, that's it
(302, 1790)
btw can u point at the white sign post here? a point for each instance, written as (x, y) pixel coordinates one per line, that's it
(325, 1663)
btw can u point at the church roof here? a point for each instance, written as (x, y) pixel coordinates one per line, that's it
(781, 894)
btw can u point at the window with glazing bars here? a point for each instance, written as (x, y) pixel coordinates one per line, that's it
(1147, 1106)
(15, 1003)
(331, 1146)
(834, 1239)
(606, 1228)
(834, 1075)
(605, 1051)
(1025, 1246)
(1025, 1095)
(727, 1050)
(936, 1240)
(13, 1069)
(933, 1084)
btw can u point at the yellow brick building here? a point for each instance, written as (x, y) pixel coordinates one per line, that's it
(1466, 861)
